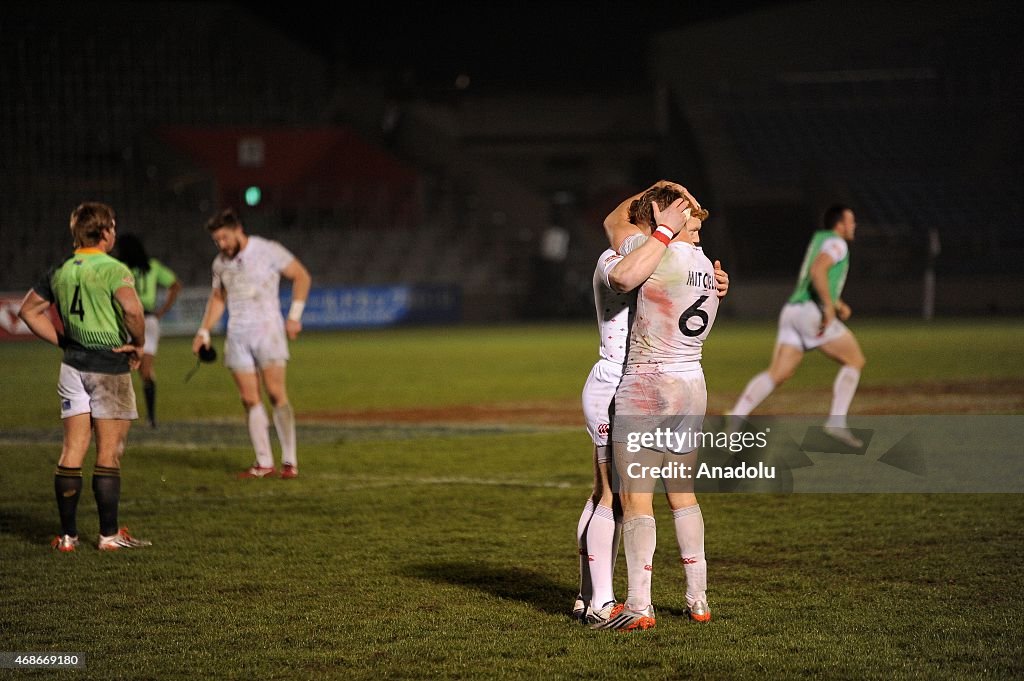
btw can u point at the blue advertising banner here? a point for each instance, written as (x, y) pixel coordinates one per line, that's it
(362, 306)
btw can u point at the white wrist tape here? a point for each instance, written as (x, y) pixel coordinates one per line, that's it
(204, 334)
(295, 311)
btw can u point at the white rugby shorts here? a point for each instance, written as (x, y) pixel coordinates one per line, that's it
(650, 398)
(105, 396)
(245, 352)
(152, 335)
(798, 326)
(598, 394)
(652, 401)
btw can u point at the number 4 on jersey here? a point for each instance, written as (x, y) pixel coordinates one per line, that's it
(76, 304)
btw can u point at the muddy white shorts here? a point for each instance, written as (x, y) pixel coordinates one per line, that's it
(652, 397)
(659, 415)
(105, 396)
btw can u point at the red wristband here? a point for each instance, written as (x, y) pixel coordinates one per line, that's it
(663, 234)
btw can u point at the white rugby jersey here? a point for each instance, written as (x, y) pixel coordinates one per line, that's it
(614, 310)
(676, 308)
(250, 281)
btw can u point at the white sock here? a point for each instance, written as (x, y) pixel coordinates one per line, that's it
(842, 394)
(760, 387)
(284, 424)
(600, 543)
(690, 535)
(260, 436)
(616, 540)
(581, 544)
(640, 538)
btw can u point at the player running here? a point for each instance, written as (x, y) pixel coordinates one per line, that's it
(246, 274)
(102, 340)
(676, 308)
(150, 274)
(813, 318)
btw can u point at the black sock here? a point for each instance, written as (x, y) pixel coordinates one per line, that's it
(106, 487)
(149, 387)
(67, 485)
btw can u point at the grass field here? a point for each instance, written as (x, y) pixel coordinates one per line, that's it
(431, 532)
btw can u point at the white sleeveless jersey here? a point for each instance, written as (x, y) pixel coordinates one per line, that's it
(675, 310)
(614, 310)
(250, 281)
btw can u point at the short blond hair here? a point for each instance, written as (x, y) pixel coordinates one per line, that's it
(88, 222)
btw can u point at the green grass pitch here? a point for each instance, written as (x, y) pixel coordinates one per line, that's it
(413, 546)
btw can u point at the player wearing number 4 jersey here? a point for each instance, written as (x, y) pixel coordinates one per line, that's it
(246, 275)
(600, 523)
(813, 319)
(102, 339)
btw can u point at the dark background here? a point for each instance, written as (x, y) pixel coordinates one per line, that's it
(418, 143)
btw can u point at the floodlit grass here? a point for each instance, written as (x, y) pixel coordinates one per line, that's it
(410, 551)
(474, 365)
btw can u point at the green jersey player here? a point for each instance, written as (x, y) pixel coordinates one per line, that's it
(813, 319)
(150, 275)
(102, 341)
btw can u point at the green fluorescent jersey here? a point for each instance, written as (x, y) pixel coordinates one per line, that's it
(83, 290)
(828, 241)
(146, 284)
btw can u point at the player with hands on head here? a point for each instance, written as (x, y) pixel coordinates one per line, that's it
(600, 523)
(677, 303)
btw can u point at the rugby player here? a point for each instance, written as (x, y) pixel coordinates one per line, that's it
(102, 340)
(150, 275)
(813, 319)
(599, 526)
(246, 275)
(676, 306)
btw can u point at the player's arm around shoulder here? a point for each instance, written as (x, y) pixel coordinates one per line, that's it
(636, 267)
(617, 226)
(301, 283)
